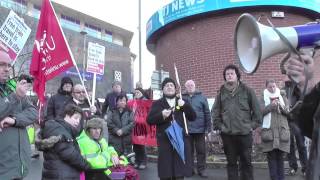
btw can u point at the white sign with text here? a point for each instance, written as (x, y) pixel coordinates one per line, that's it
(14, 34)
(96, 56)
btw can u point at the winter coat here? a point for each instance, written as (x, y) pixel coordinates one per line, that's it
(278, 135)
(15, 149)
(125, 122)
(200, 105)
(63, 160)
(309, 122)
(236, 113)
(169, 162)
(55, 105)
(86, 112)
(110, 102)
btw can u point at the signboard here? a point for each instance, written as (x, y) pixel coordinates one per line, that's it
(180, 9)
(14, 34)
(87, 75)
(95, 61)
(143, 133)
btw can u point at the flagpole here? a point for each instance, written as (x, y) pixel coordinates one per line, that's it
(72, 58)
(180, 94)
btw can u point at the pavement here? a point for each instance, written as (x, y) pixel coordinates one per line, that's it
(150, 173)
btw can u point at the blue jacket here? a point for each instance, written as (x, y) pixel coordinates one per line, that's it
(200, 105)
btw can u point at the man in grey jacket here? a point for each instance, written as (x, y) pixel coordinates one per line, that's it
(236, 113)
(16, 112)
(200, 126)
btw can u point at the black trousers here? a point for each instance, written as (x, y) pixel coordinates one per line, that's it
(276, 164)
(141, 156)
(297, 139)
(238, 147)
(173, 178)
(198, 144)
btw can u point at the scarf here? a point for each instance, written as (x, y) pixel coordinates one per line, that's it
(171, 102)
(231, 87)
(267, 96)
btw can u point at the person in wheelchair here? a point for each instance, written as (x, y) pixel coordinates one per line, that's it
(103, 159)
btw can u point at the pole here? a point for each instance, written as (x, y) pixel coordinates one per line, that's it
(180, 94)
(84, 33)
(94, 88)
(139, 29)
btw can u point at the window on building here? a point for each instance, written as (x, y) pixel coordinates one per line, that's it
(19, 6)
(70, 23)
(107, 36)
(93, 31)
(36, 11)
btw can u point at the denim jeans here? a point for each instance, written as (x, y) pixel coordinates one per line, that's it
(276, 164)
(296, 138)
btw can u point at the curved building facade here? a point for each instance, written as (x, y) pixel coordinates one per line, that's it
(199, 38)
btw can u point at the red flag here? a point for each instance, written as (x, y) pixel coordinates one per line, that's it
(51, 54)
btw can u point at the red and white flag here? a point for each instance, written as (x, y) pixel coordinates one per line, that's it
(51, 54)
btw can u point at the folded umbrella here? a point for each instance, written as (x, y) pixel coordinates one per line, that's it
(174, 133)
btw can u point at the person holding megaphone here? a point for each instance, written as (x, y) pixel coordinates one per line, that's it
(308, 110)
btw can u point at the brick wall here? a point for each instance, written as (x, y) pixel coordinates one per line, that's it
(202, 46)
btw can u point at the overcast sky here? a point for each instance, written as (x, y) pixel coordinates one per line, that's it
(124, 13)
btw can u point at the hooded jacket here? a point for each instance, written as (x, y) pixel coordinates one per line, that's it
(97, 152)
(15, 147)
(55, 104)
(236, 113)
(63, 160)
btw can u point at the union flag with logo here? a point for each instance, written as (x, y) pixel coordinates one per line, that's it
(51, 53)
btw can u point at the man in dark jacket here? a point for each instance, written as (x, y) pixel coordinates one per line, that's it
(63, 160)
(200, 126)
(56, 102)
(162, 114)
(110, 100)
(308, 112)
(236, 113)
(296, 137)
(16, 113)
(79, 99)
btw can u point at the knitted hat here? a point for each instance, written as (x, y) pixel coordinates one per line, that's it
(66, 80)
(167, 80)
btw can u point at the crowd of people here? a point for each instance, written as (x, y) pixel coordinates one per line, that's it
(79, 139)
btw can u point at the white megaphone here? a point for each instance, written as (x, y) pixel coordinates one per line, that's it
(255, 42)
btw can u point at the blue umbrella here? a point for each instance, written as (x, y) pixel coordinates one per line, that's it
(174, 133)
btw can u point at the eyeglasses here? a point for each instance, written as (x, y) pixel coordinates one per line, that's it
(5, 65)
(79, 92)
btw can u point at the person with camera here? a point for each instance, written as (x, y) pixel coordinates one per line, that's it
(275, 133)
(302, 70)
(16, 113)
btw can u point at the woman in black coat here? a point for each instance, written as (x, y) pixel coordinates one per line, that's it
(163, 111)
(63, 160)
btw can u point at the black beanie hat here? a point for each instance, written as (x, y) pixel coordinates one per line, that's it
(66, 80)
(167, 80)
